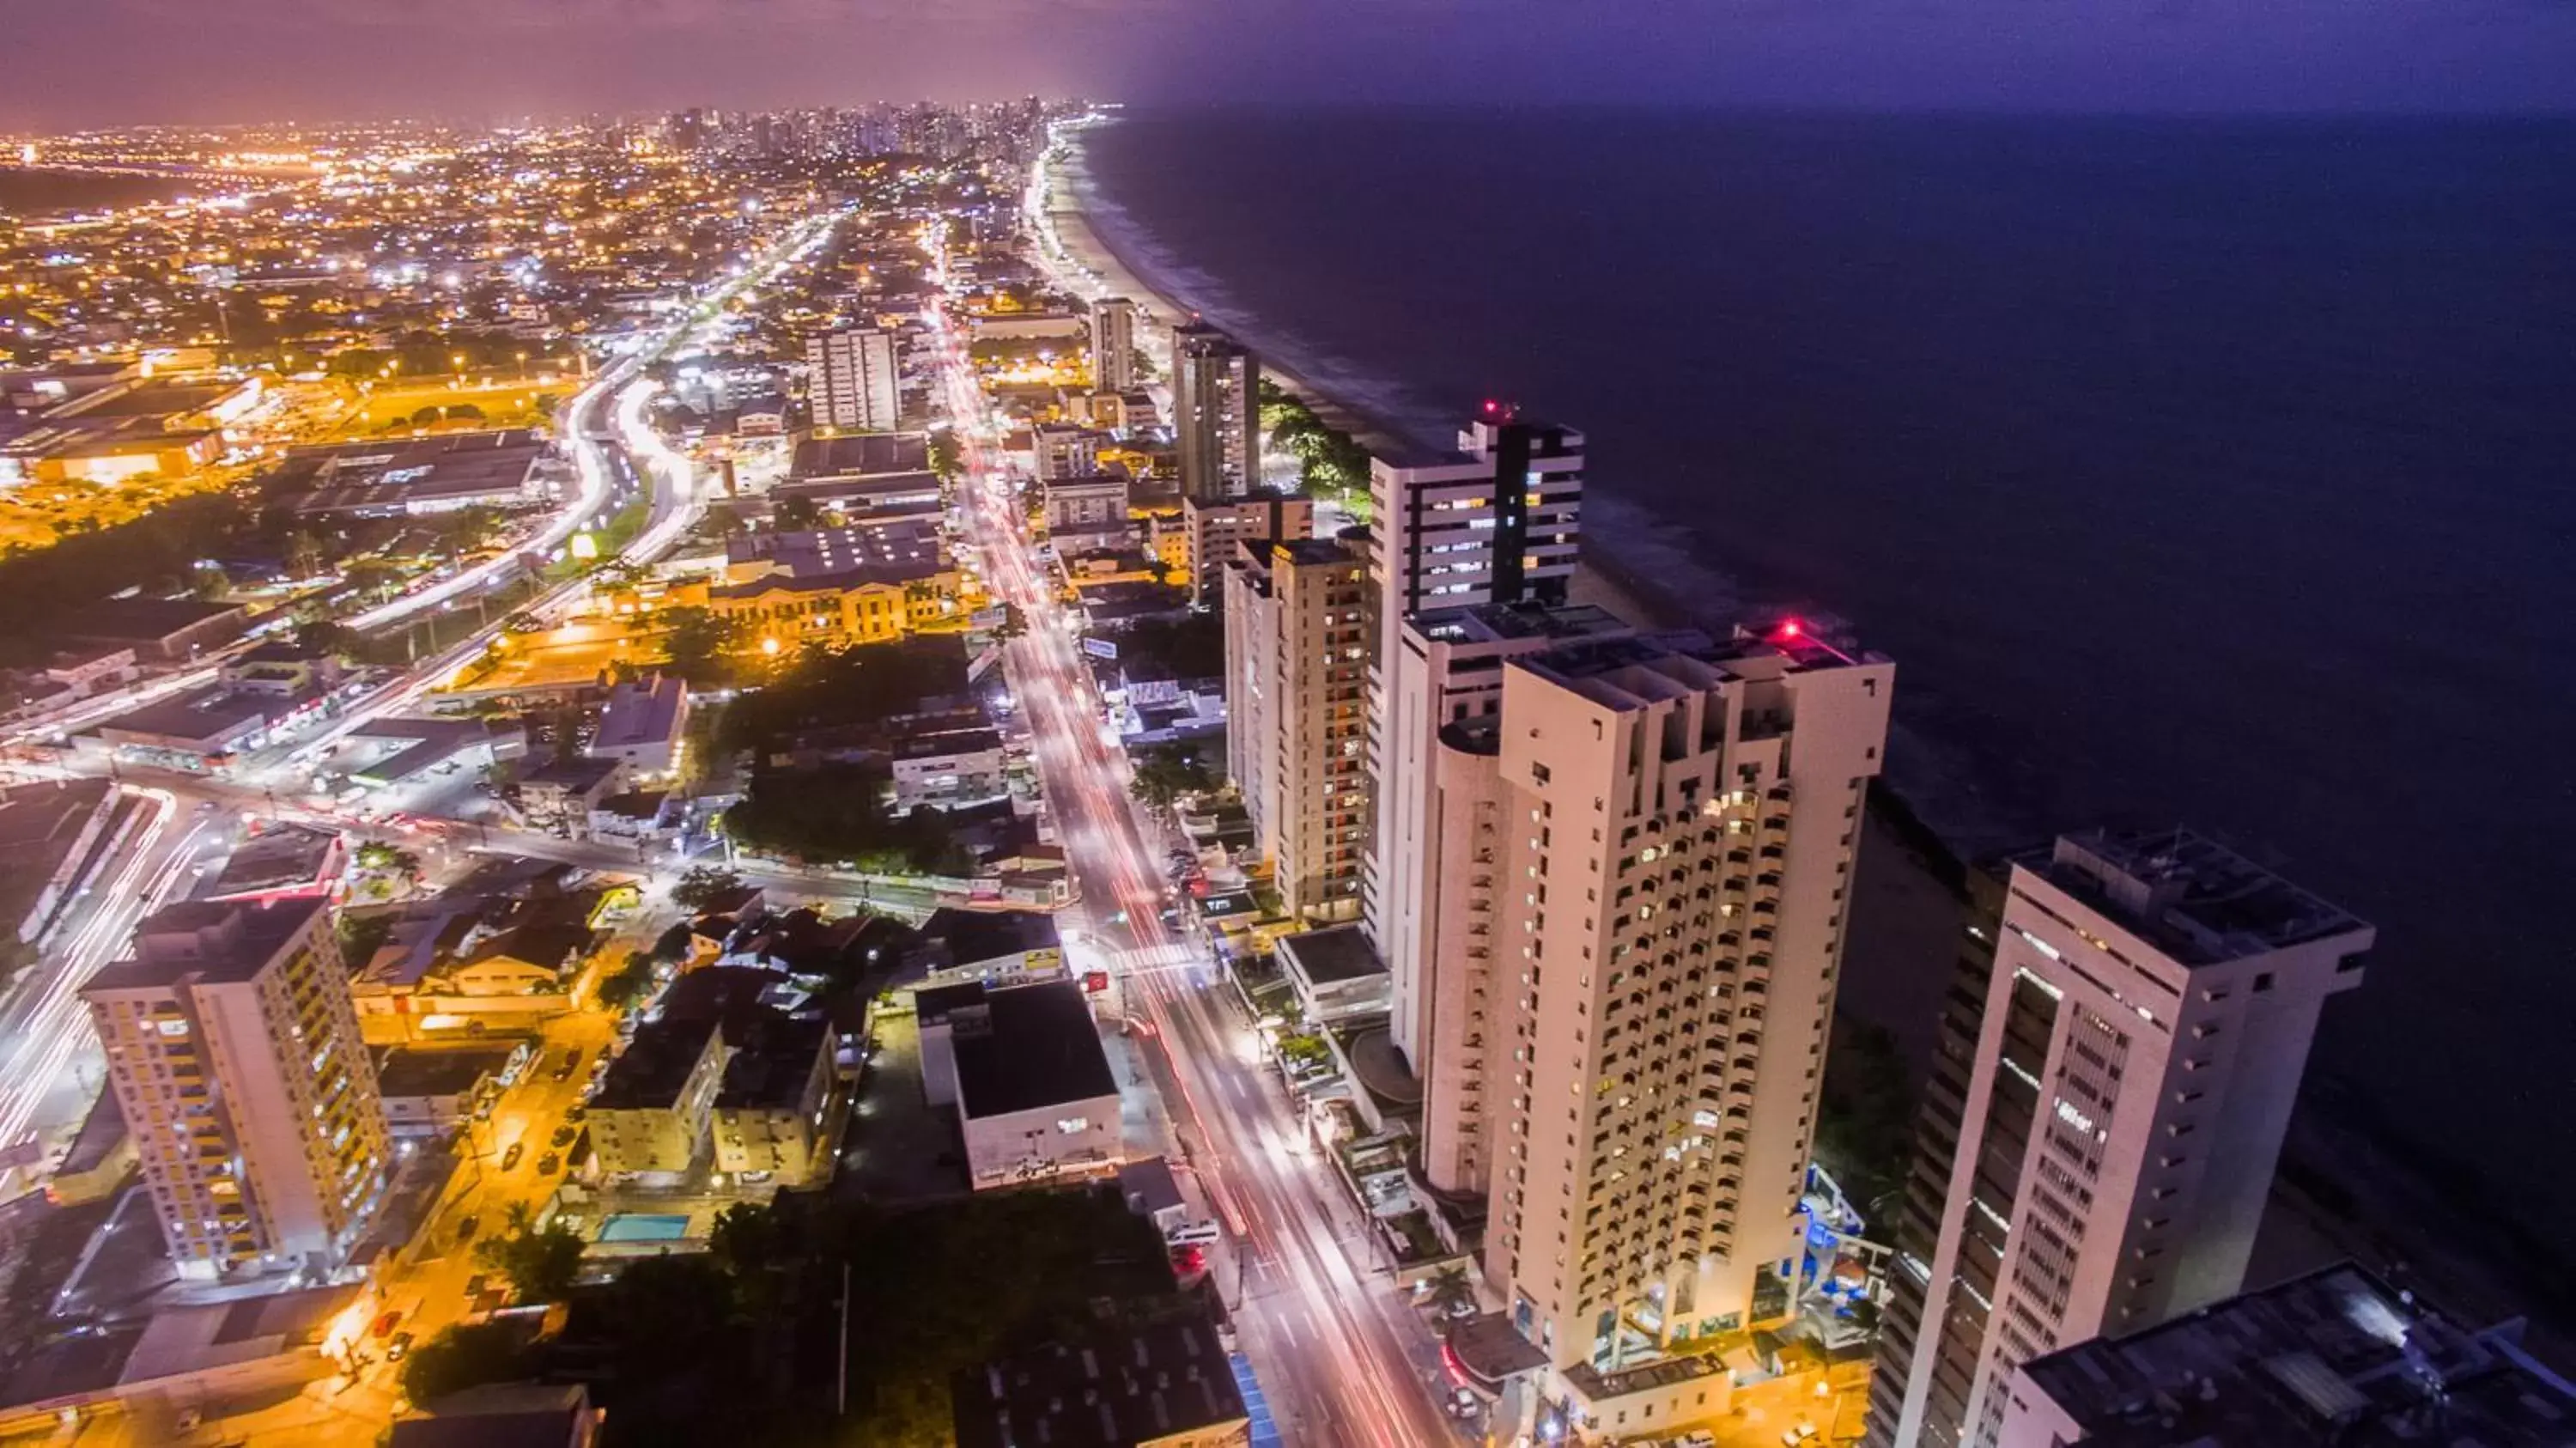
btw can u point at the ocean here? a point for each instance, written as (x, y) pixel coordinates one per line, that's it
(2193, 471)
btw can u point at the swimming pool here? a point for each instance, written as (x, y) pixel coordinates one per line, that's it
(644, 1227)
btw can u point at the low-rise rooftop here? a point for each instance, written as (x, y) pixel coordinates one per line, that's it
(1152, 1384)
(655, 1065)
(1034, 1046)
(2337, 1356)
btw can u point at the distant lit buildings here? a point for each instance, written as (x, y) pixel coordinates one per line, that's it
(1216, 413)
(1297, 666)
(2144, 1023)
(852, 381)
(1672, 842)
(234, 1053)
(1113, 344)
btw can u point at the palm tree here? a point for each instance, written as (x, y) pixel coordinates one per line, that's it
(1451, 1294)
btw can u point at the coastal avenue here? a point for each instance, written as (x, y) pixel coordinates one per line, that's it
(1337, 1348)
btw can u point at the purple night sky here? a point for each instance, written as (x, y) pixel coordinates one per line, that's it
(105, 61)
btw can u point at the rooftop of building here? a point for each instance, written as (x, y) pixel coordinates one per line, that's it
(907, 535)
(861, 454)
(645, 712)
(280, 857)
(2189, 896)
(498, 1415)
(1627, 670)
(201, 716)
(213, 941)
(1501, 622)
(892, 572)
(577, 775)
(648, 1075)
(1332, 955)
(772, 1064)
(1308, 553)
(1035, 1046)
(438, 1070)
(1149, 1186)
(946, 742)
(1086, 483)
(41, 818)
(875, 492)
(2337, 1356)
(101, 1132)
(976, 935)
(1148, 1384)
(351, 477)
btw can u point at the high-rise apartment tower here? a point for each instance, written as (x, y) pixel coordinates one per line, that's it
(1670, 871)
(233, 1050)
(1216, 413)
(1113, 344)
(2145, 1020)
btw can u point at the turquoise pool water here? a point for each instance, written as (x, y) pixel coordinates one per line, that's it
(643, 1227)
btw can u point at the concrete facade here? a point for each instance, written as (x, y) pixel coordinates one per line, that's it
(234, 1053)
(1297, 717)
(1677, 839)
(2148, 1015)
(1113, 344)
(1216, 413)
(852, 381)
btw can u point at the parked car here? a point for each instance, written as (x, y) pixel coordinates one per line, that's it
(546, 1164)
(564, 1134)
(395, 1349)
(571, 1063)
(510, 1158)
(465, 1230)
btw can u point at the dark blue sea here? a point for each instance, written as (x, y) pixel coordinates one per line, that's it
(2193, 471)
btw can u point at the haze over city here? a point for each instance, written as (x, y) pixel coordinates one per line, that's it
(159, 60)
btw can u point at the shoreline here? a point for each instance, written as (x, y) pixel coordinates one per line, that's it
(1598, 579)
(2342, 1189)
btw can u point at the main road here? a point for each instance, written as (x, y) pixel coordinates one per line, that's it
(1341, 1353)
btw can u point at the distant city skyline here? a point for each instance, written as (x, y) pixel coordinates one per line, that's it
(293, 59)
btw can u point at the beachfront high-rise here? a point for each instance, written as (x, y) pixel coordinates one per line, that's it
(1296, 620)
(1673, 840)
(1495, 524)
(1216, 413)
(1434, 884)
(852, 381)
(2144, 1022)
(234, 1053)
(1113, 344)
(1497, 521)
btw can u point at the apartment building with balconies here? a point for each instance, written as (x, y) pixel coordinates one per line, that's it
(1675, 827)
(1298, 634)
(2148, 1006)
(234, 1053)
